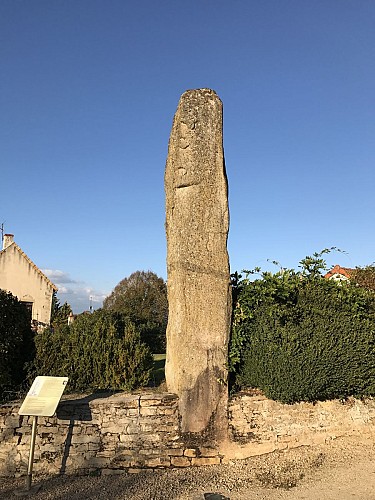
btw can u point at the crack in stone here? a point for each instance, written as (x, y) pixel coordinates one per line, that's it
(185, 186)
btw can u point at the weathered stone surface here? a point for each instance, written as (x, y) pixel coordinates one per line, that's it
(190, 452)
(180, 462)
(158, 462)
(205, 461)
(197, 222)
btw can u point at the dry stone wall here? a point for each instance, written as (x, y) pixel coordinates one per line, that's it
(269, 426)
(134, 431)
(108, 433)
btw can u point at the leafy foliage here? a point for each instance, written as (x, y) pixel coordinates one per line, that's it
(16, 342)
(299, 337)
(142, 298)
(98, 351)
(313, 266)
(59, 313)
(364, 276)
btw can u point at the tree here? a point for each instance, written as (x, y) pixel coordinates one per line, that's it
(59, 313)
(142, 297)
(16, 342)
(364, 276)
(55, 305)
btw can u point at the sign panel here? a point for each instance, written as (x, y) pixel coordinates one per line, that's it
(43, 396)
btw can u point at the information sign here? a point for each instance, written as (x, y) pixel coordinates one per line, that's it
(43, 396)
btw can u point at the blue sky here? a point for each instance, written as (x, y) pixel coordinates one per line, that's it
(88, 91)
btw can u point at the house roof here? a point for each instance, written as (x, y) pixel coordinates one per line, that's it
(34, 266)
(344, 271)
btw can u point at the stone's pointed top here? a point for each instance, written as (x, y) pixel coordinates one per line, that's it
(200, 91)
(200, 94)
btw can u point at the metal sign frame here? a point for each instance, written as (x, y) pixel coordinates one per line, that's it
(41, 401)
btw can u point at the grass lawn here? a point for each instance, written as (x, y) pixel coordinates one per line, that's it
(157, 374)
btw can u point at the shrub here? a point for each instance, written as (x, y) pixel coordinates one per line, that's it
(301, 337)
(98, 351)
(16, 343)
(364, 277)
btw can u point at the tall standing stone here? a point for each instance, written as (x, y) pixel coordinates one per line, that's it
(197, 223)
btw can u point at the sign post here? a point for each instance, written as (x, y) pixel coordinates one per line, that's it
(31, 455)
(41, 401)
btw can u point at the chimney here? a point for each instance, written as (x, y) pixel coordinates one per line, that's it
(7, 240)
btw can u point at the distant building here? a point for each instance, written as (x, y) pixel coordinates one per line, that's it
(23, 279)
(339, 273)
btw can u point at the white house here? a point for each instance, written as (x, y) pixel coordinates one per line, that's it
(23, 279)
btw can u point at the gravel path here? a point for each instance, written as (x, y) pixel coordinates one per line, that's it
(341, 470)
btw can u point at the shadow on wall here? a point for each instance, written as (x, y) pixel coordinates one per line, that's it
(76, 410)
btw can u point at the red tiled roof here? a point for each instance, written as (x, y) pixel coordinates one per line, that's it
(345, 271)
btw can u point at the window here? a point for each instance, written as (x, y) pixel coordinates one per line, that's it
(29, 307)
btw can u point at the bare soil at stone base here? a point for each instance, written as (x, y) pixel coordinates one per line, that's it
(343, 469)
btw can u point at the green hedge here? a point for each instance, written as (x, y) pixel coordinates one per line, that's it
(16, 344)
(98, 351)
(300, 337)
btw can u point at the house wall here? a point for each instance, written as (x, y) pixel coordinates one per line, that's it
(24, 280)
(133, 431)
